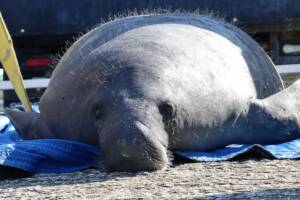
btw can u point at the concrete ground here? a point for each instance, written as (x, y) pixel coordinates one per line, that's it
(250, 179)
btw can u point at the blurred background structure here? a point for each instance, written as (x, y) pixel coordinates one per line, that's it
(42, 30)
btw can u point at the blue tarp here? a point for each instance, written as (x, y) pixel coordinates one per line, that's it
(44, 155)
(58, 156)
(288, 150)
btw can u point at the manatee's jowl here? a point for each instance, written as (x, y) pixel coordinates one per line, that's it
(143, 85)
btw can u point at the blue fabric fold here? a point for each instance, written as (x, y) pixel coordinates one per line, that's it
(288, 150)
(62, 156)
(44, 155)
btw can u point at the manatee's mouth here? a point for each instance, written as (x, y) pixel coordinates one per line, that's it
(28, 124)
(137, 149)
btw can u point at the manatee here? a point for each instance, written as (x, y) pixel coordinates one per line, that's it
(143, 86)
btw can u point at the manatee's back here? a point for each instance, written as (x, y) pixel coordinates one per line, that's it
(211, 41)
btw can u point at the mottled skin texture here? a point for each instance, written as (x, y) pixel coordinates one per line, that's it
(143, 85)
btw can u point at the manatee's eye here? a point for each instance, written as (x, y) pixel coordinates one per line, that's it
(168, 114)
(166, 110)
(98, 112)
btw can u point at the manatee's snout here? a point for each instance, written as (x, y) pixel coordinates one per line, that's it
(134, 148)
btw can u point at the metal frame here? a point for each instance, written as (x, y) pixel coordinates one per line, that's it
(61, 17)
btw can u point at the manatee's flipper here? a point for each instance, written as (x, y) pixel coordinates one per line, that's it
(29, 125)
(276, 118)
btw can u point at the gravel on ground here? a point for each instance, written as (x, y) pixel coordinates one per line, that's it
(250, 179)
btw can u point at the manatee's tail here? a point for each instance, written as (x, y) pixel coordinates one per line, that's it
(29, 125)
(275, 119)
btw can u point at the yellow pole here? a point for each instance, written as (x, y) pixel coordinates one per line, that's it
(10, 64)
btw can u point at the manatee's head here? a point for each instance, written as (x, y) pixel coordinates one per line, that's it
(91, 102)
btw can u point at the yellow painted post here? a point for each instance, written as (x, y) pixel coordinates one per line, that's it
(10, 64)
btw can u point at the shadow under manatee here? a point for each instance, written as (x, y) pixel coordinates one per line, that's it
(9, 173)
(288, 193)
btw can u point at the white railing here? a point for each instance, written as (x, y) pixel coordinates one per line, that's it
(43, 82)
(29, 84)
(288, 69)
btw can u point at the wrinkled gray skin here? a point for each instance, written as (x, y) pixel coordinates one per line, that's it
(140, 86)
